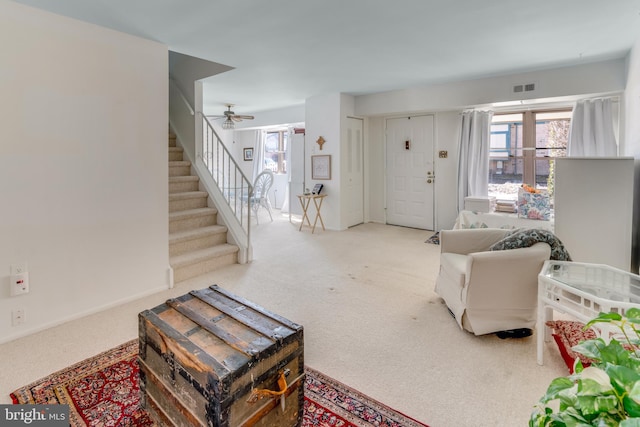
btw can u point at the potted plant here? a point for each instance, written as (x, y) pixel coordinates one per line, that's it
(606, 393)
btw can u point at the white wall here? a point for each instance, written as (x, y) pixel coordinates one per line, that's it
(83, 166)
(324, 115)
(632, 142)
(280, 116)
(632, 104)
(323, 118)
(593, 78)
(447, 101)
(187, 74)
(374, 140)
(347, 106)
(446, 169)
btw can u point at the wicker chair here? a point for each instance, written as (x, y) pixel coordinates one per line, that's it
(260, 195)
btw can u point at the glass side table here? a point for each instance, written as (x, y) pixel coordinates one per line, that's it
(582, 291)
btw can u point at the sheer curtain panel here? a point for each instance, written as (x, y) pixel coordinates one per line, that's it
(591, 133)
(258, 154)
(473, 158)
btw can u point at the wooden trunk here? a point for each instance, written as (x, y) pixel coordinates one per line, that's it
(202, 355)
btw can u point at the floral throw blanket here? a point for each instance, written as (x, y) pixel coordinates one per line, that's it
(524, 238)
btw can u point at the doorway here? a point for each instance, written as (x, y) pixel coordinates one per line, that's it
(354, 171)
(410, 174)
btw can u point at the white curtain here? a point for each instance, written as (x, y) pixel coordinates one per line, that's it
(258, 153)
(591, 133)
(473, 159)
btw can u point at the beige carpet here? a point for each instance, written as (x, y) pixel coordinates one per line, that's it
(365, 298)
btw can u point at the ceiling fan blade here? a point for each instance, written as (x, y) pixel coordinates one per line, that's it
(236, 118)
(244, 117)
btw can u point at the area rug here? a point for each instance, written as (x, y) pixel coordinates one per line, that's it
(104, 391)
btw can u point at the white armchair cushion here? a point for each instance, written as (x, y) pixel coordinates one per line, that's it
(489, 291)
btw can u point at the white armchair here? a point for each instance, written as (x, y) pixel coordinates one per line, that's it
(489, 291)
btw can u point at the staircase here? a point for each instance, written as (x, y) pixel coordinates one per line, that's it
(197, 244)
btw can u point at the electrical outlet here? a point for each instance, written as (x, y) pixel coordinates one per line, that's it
(17, 317)
(19, 279)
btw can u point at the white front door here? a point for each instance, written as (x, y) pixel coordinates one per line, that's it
(354, 171)
(410, 174)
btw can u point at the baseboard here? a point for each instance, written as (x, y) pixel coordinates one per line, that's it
(80, 315)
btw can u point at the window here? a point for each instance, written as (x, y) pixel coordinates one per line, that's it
(522, 149)
(275, 148)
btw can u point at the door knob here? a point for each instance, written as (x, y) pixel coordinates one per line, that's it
(429, 181)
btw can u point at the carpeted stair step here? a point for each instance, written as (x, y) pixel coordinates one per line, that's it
(181, 184)
(203, 261)
(172, 139)
(182, 242)
(192, 218)
(187, 200)
(179, 168)
(175, 154)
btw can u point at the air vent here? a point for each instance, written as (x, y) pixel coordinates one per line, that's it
(528, 87)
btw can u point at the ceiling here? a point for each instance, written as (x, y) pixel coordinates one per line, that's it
(284, 51)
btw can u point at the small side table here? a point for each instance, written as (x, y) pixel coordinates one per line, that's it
(305, 201)
(582, 290)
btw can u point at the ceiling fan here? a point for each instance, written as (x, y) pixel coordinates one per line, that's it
(231, 117)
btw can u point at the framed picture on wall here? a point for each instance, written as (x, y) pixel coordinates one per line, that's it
(321, 167)
(247, 154)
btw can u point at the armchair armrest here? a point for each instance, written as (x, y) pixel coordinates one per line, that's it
(470, 240)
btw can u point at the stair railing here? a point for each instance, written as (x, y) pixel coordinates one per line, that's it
(232, 183)
(219, 173)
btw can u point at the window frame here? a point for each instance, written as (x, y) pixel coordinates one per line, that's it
(529, 144)
(280, 151)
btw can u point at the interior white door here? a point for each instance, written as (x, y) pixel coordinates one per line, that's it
(354, 171)
(410, 175)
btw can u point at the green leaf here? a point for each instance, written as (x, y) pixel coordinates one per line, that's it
(631, 422)
(570, 418)
(568, 398)
(633, 314)
(622, 378)
(605, 419)
(590, 348)
(604, 318)
(587, 406)
(540, 416)
(592, 375)
(589, 387)
(631, 406)
(615, 354)
(606, 403)
(556, 386)
(634, 393)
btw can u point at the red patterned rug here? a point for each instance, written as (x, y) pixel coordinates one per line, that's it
(103, 391)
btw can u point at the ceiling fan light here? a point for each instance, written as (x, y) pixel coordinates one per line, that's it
(228, 124)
